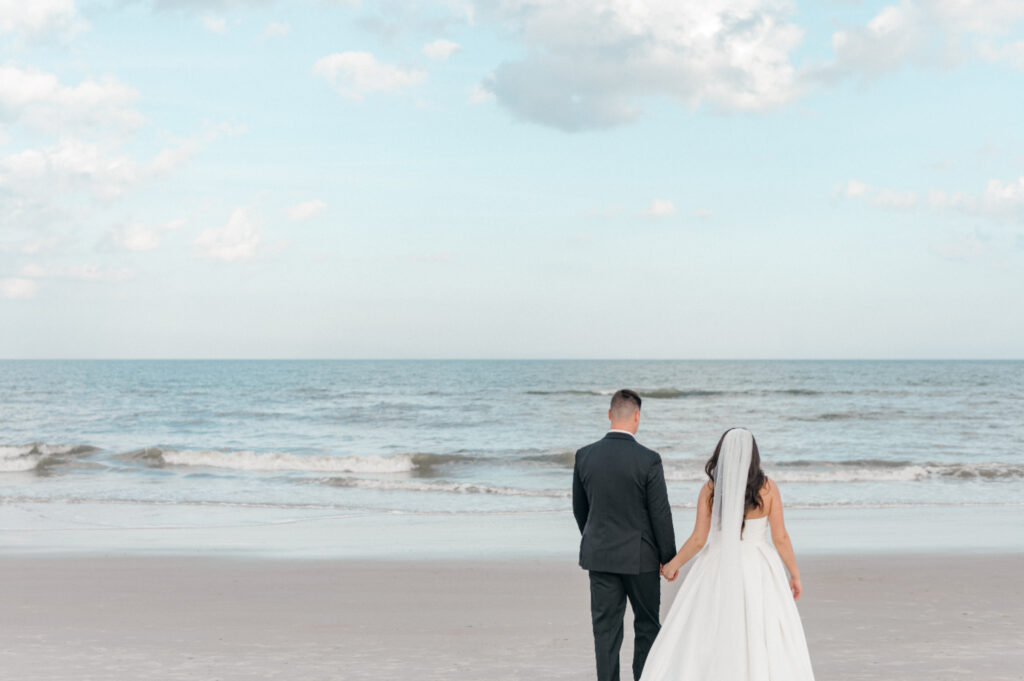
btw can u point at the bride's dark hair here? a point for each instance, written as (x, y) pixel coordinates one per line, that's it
(755, 477)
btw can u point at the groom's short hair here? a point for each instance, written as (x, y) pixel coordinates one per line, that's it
(624, 403)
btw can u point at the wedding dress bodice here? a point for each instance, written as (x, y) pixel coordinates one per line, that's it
(755, 530)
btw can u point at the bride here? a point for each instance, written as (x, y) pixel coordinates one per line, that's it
(734, 618)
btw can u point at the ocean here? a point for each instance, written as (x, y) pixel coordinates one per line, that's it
(348, 457)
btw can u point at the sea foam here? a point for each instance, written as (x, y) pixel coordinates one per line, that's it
(441, 486)
(32, 456)
(868, 471)
(274, 461)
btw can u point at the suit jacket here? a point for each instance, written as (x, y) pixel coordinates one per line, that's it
(621, 506)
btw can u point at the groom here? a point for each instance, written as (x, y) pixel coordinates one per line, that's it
(621, 505)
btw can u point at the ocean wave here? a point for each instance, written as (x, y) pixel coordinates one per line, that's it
(39, 456)
(673, 394)
(351, 510)
(559, 459)
(845, 416)
(653, 393)
(869, 470)
(678, 393)
(856, 505)
(571, 392)
(440, 486)
(421, 464)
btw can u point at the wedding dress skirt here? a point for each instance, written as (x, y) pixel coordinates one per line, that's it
(761, 639)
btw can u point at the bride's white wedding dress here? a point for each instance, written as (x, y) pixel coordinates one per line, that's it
(734, 618)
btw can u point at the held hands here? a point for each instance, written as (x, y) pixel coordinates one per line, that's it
(795, 587)
(670, 570)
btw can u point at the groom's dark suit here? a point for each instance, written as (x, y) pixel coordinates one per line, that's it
(621, 506)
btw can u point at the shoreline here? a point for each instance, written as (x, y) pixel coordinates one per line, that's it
(901, 617)
(92, 529)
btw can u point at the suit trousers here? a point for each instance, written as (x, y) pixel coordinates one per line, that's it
(608, 594)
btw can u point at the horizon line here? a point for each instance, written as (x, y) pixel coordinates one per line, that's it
(511, 359)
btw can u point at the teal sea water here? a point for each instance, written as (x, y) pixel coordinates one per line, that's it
(352, 454)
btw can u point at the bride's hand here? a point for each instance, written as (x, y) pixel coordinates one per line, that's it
(795, 587)
(670, 570)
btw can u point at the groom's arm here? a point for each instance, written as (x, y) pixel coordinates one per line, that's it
(660, 512)
(580, 505)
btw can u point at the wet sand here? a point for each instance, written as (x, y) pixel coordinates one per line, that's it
(891, 617)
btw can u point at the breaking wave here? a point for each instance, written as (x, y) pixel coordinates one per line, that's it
(844, 416)
(869, 470)
(676, 393)
(559, 459)
(422, 464)
(38, 456)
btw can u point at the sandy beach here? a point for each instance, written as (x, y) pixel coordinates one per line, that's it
(896, 617)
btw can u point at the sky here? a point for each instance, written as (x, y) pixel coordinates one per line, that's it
(511, 179)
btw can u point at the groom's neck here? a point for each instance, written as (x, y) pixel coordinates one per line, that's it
(628, 426)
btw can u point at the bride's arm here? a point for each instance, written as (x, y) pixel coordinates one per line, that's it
(781, 538)
(697, 538)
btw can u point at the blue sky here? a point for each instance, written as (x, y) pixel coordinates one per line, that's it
(568, 178)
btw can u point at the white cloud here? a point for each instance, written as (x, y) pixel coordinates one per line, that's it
(277, 29)
(170, 158)
(16, 287)
(985, 17)
(1011, 53)
(214, 24)
(894, 200)
(930, 32)
(100, 169)
(481, 95)
(306, 210)
(591, 63)
(355, 74)
(393, 19)
(136, 236)
(893, 35)
(48, 188)
(661, 208)
(440, 50)
(1001, 199)
(80, 272)
(68, 165)
(1004, 197)
(38, 100)
(39, 17)
(855, 189)
(235, 241)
